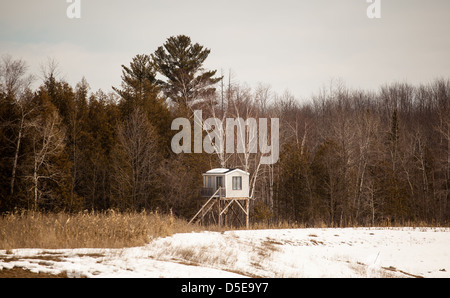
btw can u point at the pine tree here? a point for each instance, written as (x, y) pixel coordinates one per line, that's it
(140, 91)
(293, 195)
(138, 84)
(180, 62)
(98, 139)
(393, 138)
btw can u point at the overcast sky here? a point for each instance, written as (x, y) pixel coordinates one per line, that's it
(295, 45)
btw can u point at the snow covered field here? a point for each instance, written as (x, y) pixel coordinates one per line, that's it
(331, 252)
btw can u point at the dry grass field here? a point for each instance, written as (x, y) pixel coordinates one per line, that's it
(107, 229)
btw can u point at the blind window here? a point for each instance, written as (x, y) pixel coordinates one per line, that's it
(237, 183)
(219, 182)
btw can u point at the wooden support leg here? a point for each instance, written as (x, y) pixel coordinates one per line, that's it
(247, 207)
(220, 213)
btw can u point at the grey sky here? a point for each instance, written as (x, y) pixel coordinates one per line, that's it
(289, 44)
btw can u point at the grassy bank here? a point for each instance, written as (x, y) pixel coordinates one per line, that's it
(108, 229)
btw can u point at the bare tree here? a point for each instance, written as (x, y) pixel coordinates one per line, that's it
(50, 69)
(13, 79)
(214, 108)
(48, 142)
(135, 165)
(23, 123)
(15, 84)
(443, 127)
(367, 147)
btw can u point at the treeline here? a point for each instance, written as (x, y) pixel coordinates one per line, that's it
(346, 156)
(65, 148)
(355, 157)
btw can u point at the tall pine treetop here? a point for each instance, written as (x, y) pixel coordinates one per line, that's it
(180, 62)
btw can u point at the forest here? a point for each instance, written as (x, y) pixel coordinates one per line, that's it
(347, 157)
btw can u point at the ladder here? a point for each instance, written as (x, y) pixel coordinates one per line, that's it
(206, 207)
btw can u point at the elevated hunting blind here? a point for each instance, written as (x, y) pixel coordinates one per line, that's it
(228, 193)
